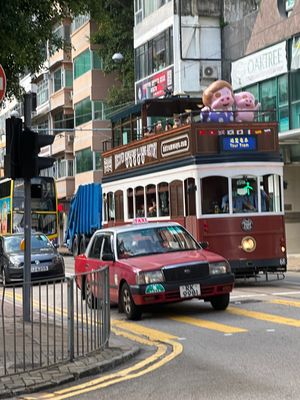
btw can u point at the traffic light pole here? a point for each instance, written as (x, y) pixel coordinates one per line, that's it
(27, 224)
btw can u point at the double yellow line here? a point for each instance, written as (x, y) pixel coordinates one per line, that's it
(167, 348)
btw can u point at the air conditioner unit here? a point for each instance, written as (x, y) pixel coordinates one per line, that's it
(209, 71)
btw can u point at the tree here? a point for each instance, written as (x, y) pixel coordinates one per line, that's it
(115, 35)
(27, 25)
(25, 28)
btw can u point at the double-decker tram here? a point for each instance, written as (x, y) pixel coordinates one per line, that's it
(44, 212)
(222, 181)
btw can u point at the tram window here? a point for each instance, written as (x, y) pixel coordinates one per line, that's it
(139, 202)
(244, 194)
(163, 199)
(119, 205)
(270, 193)
(105, 207)
(214, 195)
(176, 198)
(111, 206)
(151, 201)
(117, 136)
(137, 129)
(126, 133)
(130, 202)
(190, 196)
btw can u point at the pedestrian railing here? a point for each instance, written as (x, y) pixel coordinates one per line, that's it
(65, 322)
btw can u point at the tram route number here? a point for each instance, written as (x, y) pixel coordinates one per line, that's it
(192, 290)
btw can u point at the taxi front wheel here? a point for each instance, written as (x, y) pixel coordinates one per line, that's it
(131, 311)
(221, 302)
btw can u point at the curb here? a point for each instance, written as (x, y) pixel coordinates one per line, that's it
(46, 378)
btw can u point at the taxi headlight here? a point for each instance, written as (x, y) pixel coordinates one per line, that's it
(144, 278)
(221, 267)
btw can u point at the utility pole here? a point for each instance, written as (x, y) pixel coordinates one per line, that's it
(27, 222)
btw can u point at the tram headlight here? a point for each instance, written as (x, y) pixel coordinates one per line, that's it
(248, 244)
(217, 268)
(283, 249)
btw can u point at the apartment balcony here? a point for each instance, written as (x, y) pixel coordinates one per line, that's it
(88, 177)
(92, 134)
(65, 187)
(63, 143)
(63, 98)
(60, 56)
(80, 38)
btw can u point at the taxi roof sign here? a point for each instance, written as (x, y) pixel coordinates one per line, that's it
(140, 220)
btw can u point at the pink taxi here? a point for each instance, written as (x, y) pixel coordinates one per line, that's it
(154, 263)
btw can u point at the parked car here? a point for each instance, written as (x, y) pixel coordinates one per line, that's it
(153, 263)
(46, 262)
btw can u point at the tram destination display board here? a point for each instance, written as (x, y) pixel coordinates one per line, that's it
(238, 143)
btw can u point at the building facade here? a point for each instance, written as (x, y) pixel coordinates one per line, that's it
(70, 91)
(266, 61)
(177, 47)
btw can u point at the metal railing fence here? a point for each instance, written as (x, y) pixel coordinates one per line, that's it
(65, 321)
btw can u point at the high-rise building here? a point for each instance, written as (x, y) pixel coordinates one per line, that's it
(69, 102)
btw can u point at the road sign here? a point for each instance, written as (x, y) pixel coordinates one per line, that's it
(2, 83)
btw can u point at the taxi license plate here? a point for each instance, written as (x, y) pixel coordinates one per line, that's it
(190, 290)
(39, 268)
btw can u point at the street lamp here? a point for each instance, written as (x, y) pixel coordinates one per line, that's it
(118, 57)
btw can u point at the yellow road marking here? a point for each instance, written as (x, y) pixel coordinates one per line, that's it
(154, 334)
(215, 326)
(291, 303)
(149, 364)
(276, 319)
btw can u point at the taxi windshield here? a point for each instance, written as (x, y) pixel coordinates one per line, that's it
(154, 240)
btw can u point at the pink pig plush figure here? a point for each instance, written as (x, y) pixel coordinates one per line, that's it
(245, 107)
(218, 100)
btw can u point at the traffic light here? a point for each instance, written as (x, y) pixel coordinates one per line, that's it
(31, 144)
(12, 158)
(22, 151)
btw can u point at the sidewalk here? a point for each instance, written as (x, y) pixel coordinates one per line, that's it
(44, 378)
(293, 262)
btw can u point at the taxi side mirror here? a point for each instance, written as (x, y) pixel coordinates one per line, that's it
(204, 245)
(108, 257)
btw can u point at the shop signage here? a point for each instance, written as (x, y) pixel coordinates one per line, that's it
(295, 61)
(155, 85)
(264, 64)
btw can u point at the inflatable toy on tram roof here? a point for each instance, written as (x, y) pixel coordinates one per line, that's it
(222, 105)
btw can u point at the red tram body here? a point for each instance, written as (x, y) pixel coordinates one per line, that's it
(223, 182)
